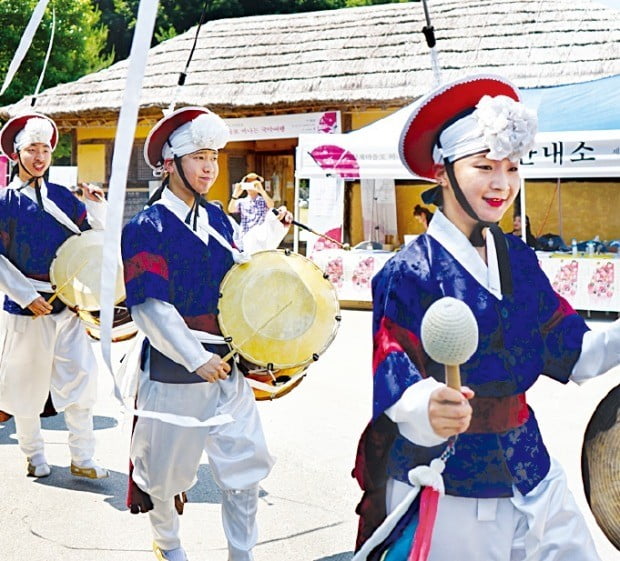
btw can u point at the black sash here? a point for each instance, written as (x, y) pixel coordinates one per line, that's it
(57, 305)
(164, 369)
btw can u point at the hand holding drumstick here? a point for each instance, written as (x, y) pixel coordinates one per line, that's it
(217, 368)
(40, 307)
(214, 369)
(92, 192)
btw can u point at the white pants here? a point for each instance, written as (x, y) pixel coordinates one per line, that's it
(544, 525)
(49, 354)
(166, 457)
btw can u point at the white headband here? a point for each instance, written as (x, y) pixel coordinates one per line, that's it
(499, 124)
(36, 130)
(207, 131)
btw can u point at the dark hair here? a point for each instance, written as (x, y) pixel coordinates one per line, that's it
(420, 210)
(529, 237)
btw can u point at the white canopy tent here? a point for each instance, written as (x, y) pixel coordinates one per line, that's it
(580, 138)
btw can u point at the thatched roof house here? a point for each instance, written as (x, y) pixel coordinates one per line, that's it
(352, 59)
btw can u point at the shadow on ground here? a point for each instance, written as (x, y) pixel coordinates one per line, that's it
(57, 422)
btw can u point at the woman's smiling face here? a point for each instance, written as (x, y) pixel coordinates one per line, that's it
(490, 187)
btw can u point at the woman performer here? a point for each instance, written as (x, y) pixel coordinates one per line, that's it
(176, 253)
(506, 499)
(50, 355)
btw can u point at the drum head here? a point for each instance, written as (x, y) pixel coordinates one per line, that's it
(278, 309)
(600, 465)
(76, 271)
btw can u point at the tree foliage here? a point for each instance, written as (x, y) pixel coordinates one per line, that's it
(79, 40)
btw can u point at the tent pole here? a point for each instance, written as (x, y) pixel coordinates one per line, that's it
(523, 212)
(296, 214)
(560, 225)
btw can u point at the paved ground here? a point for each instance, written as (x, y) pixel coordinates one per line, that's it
(307, 504)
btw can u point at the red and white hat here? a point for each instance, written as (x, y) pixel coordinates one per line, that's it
(30, 128)
(464, 117)
(184, 131)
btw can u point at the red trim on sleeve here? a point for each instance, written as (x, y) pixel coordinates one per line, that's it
(81, 218)
(145, 262)
(563, 310)
(393, 338)
(5, 239)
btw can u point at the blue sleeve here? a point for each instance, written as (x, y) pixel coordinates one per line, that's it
(144, 261)
(398, 357)
(561, 327)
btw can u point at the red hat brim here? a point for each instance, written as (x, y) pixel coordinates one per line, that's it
(160, 133)
(434, 111)
(12, 127)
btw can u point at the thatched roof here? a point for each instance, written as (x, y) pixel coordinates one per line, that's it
(367, 57)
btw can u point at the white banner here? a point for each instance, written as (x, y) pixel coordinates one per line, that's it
(379, 210)
(284, 126)
(573, 154)
(24, 43)
(325, 212)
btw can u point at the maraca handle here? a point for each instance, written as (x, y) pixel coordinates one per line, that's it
(453, 376)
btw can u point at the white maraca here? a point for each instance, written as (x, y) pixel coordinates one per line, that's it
(449, 334)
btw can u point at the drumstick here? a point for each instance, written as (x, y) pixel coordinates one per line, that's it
(233, 352)
(344, 246)
(100, 197)
(64, 284)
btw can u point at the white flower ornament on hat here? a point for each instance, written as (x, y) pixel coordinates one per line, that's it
(507, 126)
(36, 130)
(207, 130)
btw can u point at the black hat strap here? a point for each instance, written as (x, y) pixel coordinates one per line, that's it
(476, 238)
(193, 211)
(34, 180)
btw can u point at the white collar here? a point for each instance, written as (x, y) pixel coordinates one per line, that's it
(459, 246)
(204, 230)
(49, 206)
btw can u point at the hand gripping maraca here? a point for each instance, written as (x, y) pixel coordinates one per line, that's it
(450, 336)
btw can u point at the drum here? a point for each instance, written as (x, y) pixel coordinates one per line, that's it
(600, 465)
(75, 272)
(123, 327)
(280, 313)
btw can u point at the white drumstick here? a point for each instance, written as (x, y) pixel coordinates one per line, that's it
(450, 336)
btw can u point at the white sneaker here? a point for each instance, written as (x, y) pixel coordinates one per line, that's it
(177, 554)
(38, 466)
(88, 469)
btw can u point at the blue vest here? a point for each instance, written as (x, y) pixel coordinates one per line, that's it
(164, 260)
(30, 236)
